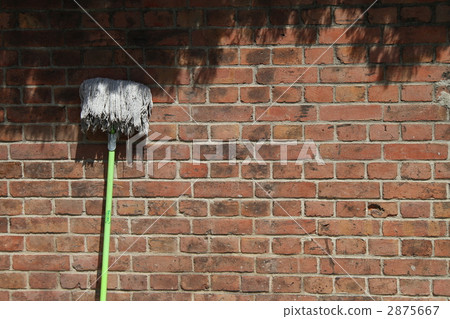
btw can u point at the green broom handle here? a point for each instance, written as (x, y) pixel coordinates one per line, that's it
(107, 231)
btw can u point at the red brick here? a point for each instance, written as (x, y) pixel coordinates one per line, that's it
(383, 93)
(282, 189)
(254, 284)
(225, 282)
(383, 247)
(351, 54)
(255, 94)
(441, 209)
(255, 171)
(350, 246)
(193, 208)
(13, 280)
(296, 36)
(8, 57)
(11, 96)
(442, 170)
(255, 208)
(222, 113)
(410, 228)
(286, 246)
(164, 226)
(38, 133)
(423, 34)
(415, 209)
(414, 190)
(384, 132)
(162, 244)
(414, 267)
(318, 246)
(352, 266)
(442, 248)
(316, 16)
(39, 225)
(10, 170)
(191, 132)
(384, 54)
(349, 227)
(133, 282)
(164, 282)
(418, 171)
(286, 113)
(254, 245)
(37, 170)
(224, 245)
(316, 171)
(252, 17)
(350, 93)
(413, 112)
(443, 54)
(417, 93)
(319, 208)
(441, 287)
(255, 132)
(11, 243)
(319, 94)
(223, 189)
(223, 56)
(194, 282)
(223, 76)
(413, 247)
(349, 190)
(159, 263)
(255, 56)
(442, 132)
(70, 244)
(349, 132)
(286, 284)
(157, 189)
(222, 226)
(319, 132)
(43, 280)
(287, 56)
(416, 132)
(382, 170)
(383, 286)
(38, 207)
(318, 56)
(350, 74)
(284, 227)
(193, 170)
(350, 209)
(286, 94)
(223, 94)
(223, 264)
(350, 112)
(41, 262)
(415, 151)
(10, 133)
(225, 132)
(282, 75)
(292, 132)
(318, 285)
(408, 73)
(39, 151)
(350, 285)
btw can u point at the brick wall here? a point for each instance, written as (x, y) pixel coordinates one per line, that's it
(372, 222)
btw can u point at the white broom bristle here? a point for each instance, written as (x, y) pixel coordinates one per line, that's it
(115, 104)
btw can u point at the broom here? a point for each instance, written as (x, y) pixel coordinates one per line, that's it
(113, 106)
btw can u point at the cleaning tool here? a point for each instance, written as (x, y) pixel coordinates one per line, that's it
(113, 106)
